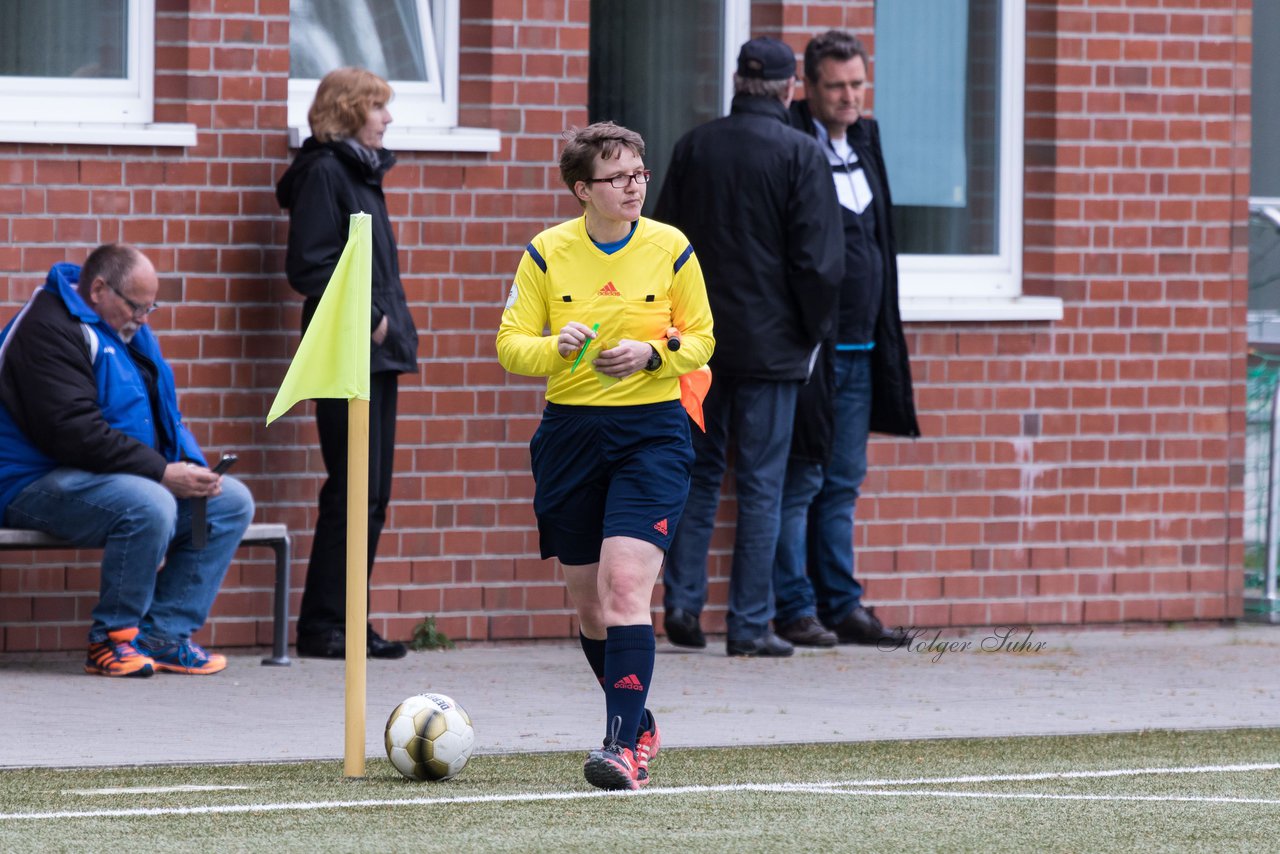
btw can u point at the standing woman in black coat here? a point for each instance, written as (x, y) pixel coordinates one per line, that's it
(339, 172)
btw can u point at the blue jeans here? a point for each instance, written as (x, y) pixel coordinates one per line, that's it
(138, 523)
(760, 415)
(818, 506)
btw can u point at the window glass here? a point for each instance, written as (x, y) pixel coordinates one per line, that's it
(64, 38)
(384, 36)
(938, 101)
(643, 54)
(75, 62)
(412, 44)
(1264, 207)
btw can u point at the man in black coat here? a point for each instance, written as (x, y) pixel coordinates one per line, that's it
(755, 198)
(863, 381)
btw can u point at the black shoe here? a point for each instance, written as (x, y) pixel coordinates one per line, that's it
(331, 643)
(862, 626)
(767, 645)
(380, 647)
(683, 629)
(807, 631)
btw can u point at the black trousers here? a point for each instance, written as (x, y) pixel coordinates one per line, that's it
(324, 598)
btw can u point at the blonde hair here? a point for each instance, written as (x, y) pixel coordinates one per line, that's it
(343, 102)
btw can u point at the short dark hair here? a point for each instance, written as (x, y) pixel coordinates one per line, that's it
(111, 262)
(583, 144)
(833, 44)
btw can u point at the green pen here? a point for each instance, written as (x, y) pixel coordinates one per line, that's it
(583, 351)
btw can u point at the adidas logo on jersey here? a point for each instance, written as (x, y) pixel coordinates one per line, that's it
(609, 291)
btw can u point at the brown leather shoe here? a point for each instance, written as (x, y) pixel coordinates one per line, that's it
(807, 631)
(862, 626)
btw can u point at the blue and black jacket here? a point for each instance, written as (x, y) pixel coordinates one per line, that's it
(73, 394)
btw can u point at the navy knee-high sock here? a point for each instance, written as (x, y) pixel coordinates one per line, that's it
(594, 651)
(628, 667)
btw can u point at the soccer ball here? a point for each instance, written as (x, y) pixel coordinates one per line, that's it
(429, 737)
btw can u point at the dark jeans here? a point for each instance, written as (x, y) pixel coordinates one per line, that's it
(818, 507)
(759, 415)
(324, 599)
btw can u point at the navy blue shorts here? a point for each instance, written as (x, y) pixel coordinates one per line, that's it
(609, 471)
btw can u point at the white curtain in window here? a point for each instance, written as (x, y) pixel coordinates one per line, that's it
(388, 37)
(920, 86)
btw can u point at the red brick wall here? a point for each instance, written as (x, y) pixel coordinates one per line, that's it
(1087, 470)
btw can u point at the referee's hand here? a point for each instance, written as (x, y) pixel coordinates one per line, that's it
(624, 360)
(571, 339)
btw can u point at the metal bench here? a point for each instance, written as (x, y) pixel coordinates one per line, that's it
(275, 536)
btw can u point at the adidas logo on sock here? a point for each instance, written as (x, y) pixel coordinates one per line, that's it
(631, 683)
(661, 527)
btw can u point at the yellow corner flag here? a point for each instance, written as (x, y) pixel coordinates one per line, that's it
(333, 358)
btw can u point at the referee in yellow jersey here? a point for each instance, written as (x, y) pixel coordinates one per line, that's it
(612, 456)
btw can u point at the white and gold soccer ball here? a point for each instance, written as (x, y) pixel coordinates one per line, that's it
(429, 737)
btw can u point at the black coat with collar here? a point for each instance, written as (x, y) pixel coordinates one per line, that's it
(893, 409)
(755, 198)
(325, 184)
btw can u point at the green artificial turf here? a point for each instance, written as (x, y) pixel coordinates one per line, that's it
(700, 801)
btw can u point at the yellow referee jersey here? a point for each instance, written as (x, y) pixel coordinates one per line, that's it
(638, 292)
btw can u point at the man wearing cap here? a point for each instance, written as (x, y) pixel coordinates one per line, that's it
(756, 200)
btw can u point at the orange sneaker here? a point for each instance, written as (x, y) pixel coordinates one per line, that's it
(185, 656)
(118, 655)
(648, 741)
(612, 767)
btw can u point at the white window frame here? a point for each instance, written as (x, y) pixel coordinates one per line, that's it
(986, 287)
(424, 115)
(94, 111)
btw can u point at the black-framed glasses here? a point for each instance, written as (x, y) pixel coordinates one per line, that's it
(619, 182)
(139, 311)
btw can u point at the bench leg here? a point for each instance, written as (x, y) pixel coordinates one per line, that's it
(280, 642)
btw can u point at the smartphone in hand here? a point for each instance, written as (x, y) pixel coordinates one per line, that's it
(227, 461)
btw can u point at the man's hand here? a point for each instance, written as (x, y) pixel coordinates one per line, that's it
(625, 359)
(380, 334)
(571, 339)
(188, 480)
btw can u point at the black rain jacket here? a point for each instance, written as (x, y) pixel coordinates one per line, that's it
(325, 184)
(756, 200)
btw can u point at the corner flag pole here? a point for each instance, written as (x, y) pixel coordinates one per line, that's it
(357, 581)
(333, 362)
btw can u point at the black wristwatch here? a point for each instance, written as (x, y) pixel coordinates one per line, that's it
(655, 360)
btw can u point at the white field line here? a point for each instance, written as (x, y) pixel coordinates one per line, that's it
(860, 786)
(154, 790)
(1056, 775)
(1039, 796)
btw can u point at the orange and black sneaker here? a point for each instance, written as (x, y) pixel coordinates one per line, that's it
(184, 656)
(648, 740)
(118, 655)
(613, 766)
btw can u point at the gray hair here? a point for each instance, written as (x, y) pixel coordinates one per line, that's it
(776, 89)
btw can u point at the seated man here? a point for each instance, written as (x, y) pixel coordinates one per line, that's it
(93, 450)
